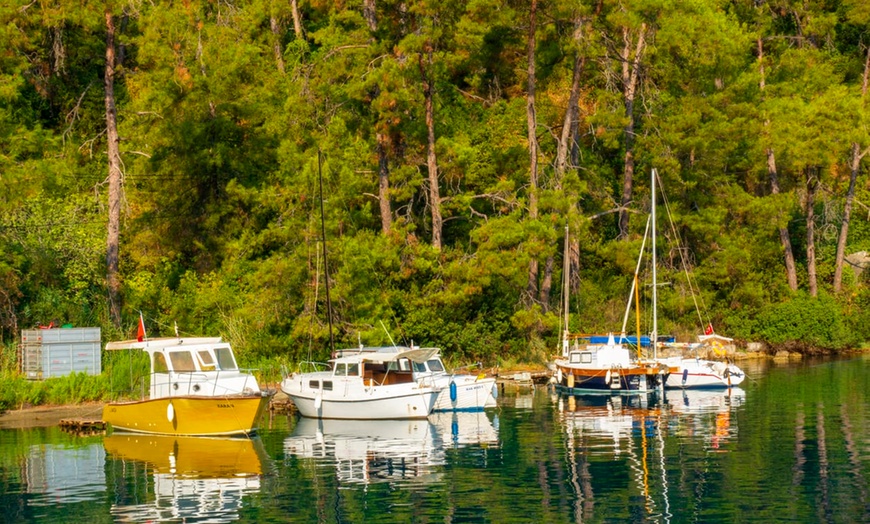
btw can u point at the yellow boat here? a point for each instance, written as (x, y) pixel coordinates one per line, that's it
(196, 389)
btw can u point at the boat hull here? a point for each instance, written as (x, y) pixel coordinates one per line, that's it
(407, 404)
(468, 393)
(700, 374)
(188, 415)
(634, 379)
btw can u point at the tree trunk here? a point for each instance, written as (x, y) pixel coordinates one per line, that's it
(812, 185)
(546, 284)
(431, 161)
(572, 111)
(384, 184)
(297, 19)
(630, 73)
(790, 269)
(113, 237)
(369, 13)
(276, 37)
(531, 119)
(854, 168)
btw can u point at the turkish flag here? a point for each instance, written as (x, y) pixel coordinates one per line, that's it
(709, 330)
(140, 333)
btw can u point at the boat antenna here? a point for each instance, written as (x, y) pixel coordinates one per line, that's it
(325, 259)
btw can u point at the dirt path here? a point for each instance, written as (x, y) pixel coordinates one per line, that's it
(44, 416)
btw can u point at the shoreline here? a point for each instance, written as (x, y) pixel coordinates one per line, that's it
(47, 416)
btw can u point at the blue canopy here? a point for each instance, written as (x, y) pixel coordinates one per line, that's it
(644, 340)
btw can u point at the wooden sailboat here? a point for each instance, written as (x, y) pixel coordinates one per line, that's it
(608, 367)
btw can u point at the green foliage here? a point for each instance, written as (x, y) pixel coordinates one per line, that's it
(813, 322)
(225, 115)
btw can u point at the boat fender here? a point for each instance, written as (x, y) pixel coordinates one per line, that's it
(494, 391)
(559, 376)
(170, 412)
(318, 401)
(607, 377)
(452, 391)
(685, 376)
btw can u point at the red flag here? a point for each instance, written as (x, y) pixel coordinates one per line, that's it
(709, 330)
(140, 333)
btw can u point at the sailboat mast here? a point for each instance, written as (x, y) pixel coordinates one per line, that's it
(566, 277)
(655, 328)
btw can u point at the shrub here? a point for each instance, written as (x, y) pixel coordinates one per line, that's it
(811, 323)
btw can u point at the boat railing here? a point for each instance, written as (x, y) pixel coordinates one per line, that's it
(428, 381)
(310, 366)
(196, 380)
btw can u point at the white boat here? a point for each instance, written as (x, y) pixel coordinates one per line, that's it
(458, 391)
(196, 389)
(364, 386)
(696, 373)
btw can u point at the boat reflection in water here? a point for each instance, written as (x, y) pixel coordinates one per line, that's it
(622, 436)
(706, 414)
(194, 478)
(367, 451)
(460, 429)
(626, 436)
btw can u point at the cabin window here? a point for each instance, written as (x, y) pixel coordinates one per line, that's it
(314, 384)
(206, 361)
(353, 370)
(159, 364)
(327, 385)
(340, 370)
(182, 361)
(225, 359)
(399, 365)
(419, 367)
(435, 365)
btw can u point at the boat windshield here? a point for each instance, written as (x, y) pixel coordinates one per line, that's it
(351, 370)
(225, 359)
(181, 361)
(206, 361)
(435, 365)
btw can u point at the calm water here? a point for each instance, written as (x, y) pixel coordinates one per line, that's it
(792, 445)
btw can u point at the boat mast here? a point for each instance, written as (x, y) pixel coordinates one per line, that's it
(654, 337)
(325, 260)
(566, 277)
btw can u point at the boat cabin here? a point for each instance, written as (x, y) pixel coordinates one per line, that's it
(192, 366)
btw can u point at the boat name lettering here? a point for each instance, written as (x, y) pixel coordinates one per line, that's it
(228, 405)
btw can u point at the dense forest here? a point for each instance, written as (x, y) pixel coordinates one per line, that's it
(172, 158)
